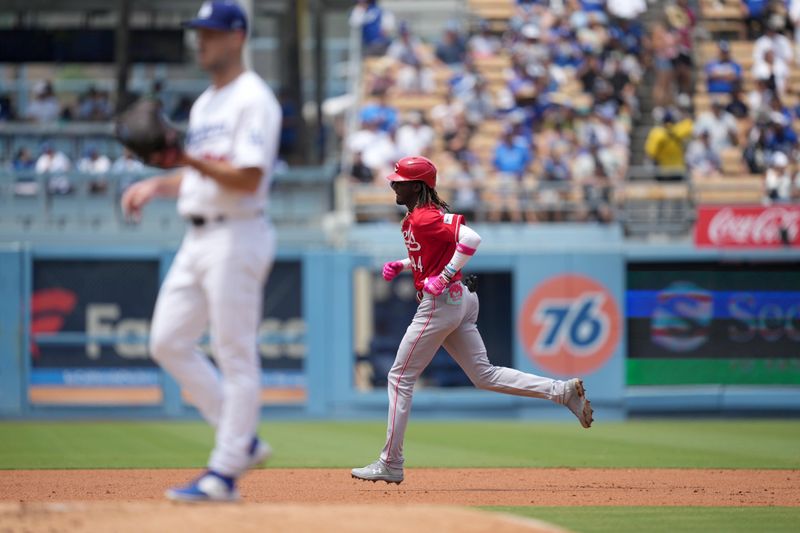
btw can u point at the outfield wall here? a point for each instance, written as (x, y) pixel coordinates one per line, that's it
(666, 329)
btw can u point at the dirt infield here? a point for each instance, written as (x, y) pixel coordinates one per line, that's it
(138, 517)
(447, 486)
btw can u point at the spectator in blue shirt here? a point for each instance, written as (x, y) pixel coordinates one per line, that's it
(629, 34)
(375, 23)
(755, 12)
(406, 48)
(780, 136)
(380, 112)
(590, 71)
(466, 79)
(511, 160)
(566, 53)
(593, 5)
(511, 156)
(723, 74)
(521, 131)
(23, 161)
(737, 106)
(453, 47)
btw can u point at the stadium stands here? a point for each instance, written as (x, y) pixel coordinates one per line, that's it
(574, 85)
(741, 180)
(641, 200)
(530, 79)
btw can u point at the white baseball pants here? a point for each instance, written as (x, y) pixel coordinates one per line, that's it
(450, 322)
(217, 280)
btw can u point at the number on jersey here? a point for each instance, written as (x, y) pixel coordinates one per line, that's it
(416, 265)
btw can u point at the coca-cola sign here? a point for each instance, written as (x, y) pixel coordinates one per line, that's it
(748, 226)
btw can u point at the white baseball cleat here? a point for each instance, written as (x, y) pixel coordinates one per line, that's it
(575, 400)
(378, 471)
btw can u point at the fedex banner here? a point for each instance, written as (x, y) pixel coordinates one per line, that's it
(748, 226)
(96, 314)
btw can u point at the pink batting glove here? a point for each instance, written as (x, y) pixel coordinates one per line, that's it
(435, 286)
(392, 269)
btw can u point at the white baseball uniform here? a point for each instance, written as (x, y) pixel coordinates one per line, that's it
(218, 275)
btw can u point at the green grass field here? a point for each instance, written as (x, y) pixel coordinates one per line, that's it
(678, 444)
(684, 444)
(664, 519)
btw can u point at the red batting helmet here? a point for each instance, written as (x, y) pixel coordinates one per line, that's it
(414, 168)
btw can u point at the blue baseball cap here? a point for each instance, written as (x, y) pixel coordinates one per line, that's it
(224, 15)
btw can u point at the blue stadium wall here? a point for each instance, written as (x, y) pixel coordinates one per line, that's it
(651, 328)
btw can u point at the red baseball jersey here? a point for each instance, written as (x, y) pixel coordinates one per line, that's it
(431, 237)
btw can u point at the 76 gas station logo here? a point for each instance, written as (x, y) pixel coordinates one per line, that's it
(570, 324)
(577, 324)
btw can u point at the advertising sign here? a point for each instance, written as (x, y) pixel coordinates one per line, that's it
(569, 324)
(94, 298)
(713, 323)
(748, 226)
(90, 321)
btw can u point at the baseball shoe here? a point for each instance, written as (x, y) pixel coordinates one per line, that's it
(378, 471)
(575, 400)
(259, 452)
(209, 487)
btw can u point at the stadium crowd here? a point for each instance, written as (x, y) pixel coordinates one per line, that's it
(48, 166)
(61, 164)
(568, 102)
(748, 124)
(565, 106)
(528, 121)
(52, 169)
(44, 106)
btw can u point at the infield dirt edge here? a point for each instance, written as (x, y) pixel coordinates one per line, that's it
(440, 486)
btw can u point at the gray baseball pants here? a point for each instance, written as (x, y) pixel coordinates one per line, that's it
(449, 320)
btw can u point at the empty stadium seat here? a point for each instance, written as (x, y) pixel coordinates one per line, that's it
(740, 189)
(161, 215)
(23, 212)
(732, 161)
(650, 207)
(499, 10)
(372, 202)
(722, 16)
(409, 102)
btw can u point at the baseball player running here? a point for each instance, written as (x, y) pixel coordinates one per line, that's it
(439, 245)
(218, 275)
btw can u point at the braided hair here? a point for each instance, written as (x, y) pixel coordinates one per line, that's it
(428, 195)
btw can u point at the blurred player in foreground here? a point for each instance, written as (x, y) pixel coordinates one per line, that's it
(439, 245)
(218, 275)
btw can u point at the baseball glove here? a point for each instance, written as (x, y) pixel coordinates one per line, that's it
(143, 129)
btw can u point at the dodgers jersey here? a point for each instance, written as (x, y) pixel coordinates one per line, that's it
(239, 123)
(431, 237)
